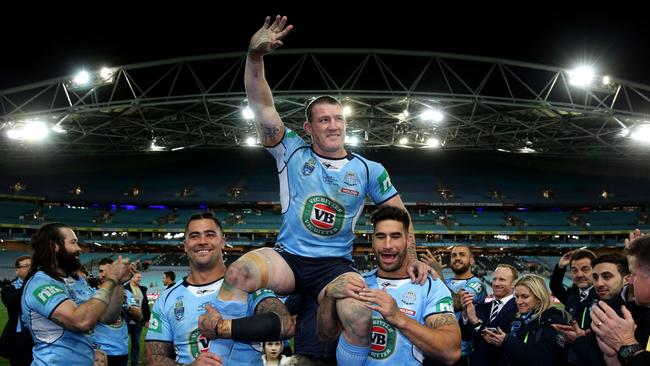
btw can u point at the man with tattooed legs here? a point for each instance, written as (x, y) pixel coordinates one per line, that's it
(409, 321)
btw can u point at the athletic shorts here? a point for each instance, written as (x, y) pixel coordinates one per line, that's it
(313, 274)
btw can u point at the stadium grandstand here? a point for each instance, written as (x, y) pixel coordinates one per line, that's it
(516, 160)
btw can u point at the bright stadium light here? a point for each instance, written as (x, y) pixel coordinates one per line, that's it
(30, 131)
(433, 142)
(247, 113)
(641, 133)
(82, 78)
(250, 141)
(352, 140)
(403, 141)
(582, 76)
(432, 115)
(347, 110)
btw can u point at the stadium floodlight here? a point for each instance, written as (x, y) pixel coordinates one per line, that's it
(247, 113)
(347, 110)
(404, 140)
(29, 130)
(582, 76)
(155, 147)
(352, 140)
(641, 133)
(250, 141)
(433, 142)
(527, 150)
(432, 115)
(85, 79)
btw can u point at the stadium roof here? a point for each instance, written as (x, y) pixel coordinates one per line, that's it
(488, 104)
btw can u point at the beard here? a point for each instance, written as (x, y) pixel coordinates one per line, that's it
(67, 261)
(460, 270)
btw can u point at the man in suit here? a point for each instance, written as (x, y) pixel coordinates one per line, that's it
(578, 299)
(495, 314)
(138, 298)
(16, 342)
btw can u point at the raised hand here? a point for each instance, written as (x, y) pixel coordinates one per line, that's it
(269, 37)
(565, 259)
(208, 322)
(634, 235)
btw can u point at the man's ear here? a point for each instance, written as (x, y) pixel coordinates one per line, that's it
(307, 127)
(626, 279)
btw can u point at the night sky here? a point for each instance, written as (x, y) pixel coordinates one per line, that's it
(58, 44)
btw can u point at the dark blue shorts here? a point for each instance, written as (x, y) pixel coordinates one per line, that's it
(313, 274)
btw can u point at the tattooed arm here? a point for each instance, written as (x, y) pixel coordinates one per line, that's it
(159, 354)
(212, 325)
(270, 128)
(438, 338)
(274, 305)
(444, 338)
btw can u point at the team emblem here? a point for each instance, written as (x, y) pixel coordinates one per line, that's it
(351, 179)
(179, 308)
(323, 216)
(309, 167)
(409, 297)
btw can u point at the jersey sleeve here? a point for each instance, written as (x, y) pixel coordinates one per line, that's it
(381, 188)
(475, 286)
(257, 297)
(45, 295)
(290, 142)
(159, 327)
(439, 299)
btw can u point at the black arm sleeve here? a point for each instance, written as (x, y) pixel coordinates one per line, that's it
(557, 288)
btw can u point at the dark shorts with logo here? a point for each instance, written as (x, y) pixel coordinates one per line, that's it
(313, 274)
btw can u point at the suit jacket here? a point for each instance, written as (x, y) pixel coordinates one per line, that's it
(144, 306)
(13, 344)
(485, 354)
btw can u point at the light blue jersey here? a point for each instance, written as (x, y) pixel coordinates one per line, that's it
(175, 317)
(323, 198)
(388, 345)
(474, 286)
(54, 344)
(113, 339)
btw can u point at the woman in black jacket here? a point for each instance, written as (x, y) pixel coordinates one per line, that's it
(531, 340)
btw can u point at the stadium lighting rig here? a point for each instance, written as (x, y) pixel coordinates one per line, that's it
(85, 79)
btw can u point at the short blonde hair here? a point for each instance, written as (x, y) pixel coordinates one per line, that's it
(538, 288)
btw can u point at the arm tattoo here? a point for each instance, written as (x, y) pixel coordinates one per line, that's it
(159, 353)
(269, 132)
(273, 304)
(440, 320)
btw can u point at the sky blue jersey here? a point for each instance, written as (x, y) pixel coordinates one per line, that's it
(322, 198)
(54, 344)
(113, 339)
(475, 286)
(175, 317)
(388, 345)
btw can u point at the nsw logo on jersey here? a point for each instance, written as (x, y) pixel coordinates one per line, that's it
(323, 216)
(384, 183)
(382, 339)
(46, 292)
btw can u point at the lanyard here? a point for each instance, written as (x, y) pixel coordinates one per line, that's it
(584, 315)
(526, 337)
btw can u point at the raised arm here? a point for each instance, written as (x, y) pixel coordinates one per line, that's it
(83, 318)
(270, 128)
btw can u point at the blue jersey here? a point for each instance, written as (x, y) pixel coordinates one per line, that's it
(474, 286)
(54, 344)
(388, 345)
(113, 339)
(175, 318)
(323, 198)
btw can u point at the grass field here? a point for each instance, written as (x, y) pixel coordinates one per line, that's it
(3, 321)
